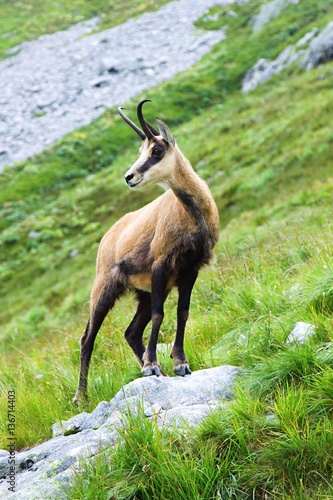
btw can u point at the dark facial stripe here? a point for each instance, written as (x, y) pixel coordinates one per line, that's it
(150, 162)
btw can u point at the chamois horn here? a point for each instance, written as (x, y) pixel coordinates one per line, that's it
(152, 129)
(131, 124)
(145, 125)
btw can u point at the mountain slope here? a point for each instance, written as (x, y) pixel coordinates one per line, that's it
(267, 158)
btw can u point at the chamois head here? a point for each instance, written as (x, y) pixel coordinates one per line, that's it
(155, 162)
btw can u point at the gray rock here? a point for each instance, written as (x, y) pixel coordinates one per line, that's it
(264, 69)
(181, 416)
(230, 13)
(213, 17)
(307, 38)
(74, 253)
(320, 50)
(109, 65)
(202, 387)
(101, 82)
(68, 427)
(98, 417)
(270, 11)
(4, 157)
(34, 234)
(301, 332)
(45, 471)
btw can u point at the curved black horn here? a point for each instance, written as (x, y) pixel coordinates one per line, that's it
(131, 124)
(153, 130)
(142, 121)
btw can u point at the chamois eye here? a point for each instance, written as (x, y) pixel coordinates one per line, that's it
(157, 152)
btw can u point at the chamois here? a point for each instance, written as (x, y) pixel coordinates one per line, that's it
(150, 251)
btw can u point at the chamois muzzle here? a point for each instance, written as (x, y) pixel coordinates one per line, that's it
(132, 180)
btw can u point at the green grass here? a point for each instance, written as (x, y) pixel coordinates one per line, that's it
(23, 21)
(267, 158)
(238, 452)
(150, 464)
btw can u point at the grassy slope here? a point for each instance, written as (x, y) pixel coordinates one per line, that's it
(267, 159)
(22, 21)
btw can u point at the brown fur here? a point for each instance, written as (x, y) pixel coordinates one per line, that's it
(152, 250)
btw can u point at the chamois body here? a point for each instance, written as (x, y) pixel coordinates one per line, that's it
(153, 249)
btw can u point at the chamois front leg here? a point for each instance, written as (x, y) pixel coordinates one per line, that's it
(159, 281)
(185, 285)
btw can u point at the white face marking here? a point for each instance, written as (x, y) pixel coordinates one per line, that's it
(152, 166)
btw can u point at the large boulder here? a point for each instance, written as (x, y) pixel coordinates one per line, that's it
(45, 471)
(264, 69)
(320, 50)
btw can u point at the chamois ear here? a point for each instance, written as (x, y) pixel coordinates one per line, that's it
(165, 132)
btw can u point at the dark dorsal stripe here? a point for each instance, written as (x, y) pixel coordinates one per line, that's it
(191, 206)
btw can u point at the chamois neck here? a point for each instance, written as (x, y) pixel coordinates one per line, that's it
(194, 194)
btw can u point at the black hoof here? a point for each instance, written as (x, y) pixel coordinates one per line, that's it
(149, 370)
(80, 400)
(182, 370)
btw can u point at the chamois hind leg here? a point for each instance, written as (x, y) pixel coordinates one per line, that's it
(185, 285)
(158, 296)
(103, 298)
(134, 332)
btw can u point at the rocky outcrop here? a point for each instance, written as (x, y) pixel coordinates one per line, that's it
(268, 12)
(312, 49)
(62, 81)
(320, 50)
(45, 471)
(264, 69)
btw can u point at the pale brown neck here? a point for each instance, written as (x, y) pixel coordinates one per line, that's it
(194, 194)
